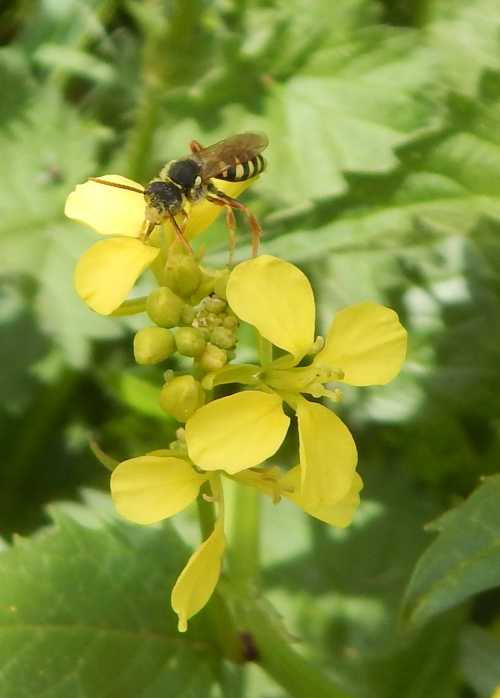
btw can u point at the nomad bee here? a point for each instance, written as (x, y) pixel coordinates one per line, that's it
(234, 159)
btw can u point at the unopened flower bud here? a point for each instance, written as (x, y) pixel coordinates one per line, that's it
(190, 341)
(188, 315)
(181, 397)
(164, 307)
(205, 288)
(221, 283)
(183, 274)
(212, 359)
(214, 320)
(222, 337)
(215, 305)
(231, 322)
(153, 344)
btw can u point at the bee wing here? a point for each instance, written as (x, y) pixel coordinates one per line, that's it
(231, 151)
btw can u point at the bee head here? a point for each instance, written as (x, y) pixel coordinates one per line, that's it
(162, 198)
(185, 173)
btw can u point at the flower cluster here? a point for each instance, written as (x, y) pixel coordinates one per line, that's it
(196, 313)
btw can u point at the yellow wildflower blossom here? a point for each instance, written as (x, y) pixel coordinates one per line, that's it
(108, 270)
(157, 486)
(365, 345)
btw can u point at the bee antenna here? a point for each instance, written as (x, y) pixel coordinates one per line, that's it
(115, 184)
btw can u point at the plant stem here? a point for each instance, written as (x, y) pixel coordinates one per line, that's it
(298, 676)
(245, 520)
(244, 555)
(131, 307)
(206, 513)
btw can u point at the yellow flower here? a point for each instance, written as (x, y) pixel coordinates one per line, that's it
(156, 486)
(274, 483)
(108, 270)
(365, 345)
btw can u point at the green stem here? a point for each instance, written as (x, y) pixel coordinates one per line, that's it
(245, 521)
(244, 556)
(275, 654)
(131, 307)
(206, 512)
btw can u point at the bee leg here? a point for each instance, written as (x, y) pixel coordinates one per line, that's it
(195, 146)
(230, 222)
(255, 228)
(180, 233)
(147, 230)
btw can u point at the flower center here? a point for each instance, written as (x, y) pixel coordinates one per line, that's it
(305, 379)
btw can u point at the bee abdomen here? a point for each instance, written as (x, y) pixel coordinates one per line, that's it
(243, 170)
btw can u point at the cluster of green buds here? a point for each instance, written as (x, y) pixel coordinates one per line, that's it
(194, 314)
(192, 319)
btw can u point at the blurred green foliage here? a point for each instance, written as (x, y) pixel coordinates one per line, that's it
(384, 184)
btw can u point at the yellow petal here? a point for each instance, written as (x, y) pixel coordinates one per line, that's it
(198, 579)
(367, 342)
(203, 213)
(108, 210)
(328, 455)
(339, 514)
(275, 297)
(108, 270)
(236, 432)
(151, 488)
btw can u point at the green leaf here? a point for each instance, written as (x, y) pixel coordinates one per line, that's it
(43, 156)
(444, 186)
(480, 660)
(17, 83)
(74, 61)
(462, 561)
(85, 606)
(350, 619)
(338, 101)
(466, 36)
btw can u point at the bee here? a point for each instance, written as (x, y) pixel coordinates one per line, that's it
(190, 179)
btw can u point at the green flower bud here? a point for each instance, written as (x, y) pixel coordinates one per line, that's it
(213, 320)
(188, 315)
(190, 341)
(183, 274)
(205, 288)
(221, 283)
(181, 397)
(212, 359)
(231, 322)
(215, 305)
(164, 307)
(153, 344)
(222, 337)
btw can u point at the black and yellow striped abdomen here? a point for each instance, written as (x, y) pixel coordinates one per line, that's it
(243, 170)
